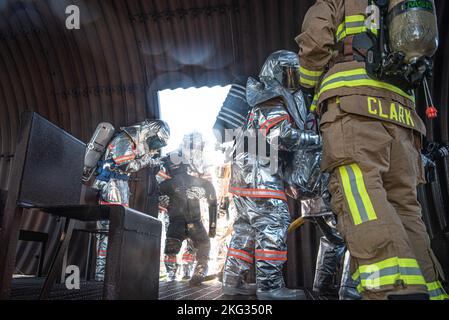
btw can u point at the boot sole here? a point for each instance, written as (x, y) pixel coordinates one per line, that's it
(238, 292)
(265, 298)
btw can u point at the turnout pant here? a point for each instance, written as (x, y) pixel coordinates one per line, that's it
(260, 233)
(375, 170)
(180, 230)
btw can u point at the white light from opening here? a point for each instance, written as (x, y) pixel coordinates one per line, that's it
(192, 109)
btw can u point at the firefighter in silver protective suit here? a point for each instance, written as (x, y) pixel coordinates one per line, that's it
(309, 186)
(275, 122)
(181, 192)
(130, 150)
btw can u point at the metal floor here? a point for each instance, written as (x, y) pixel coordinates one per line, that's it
(28, 289)
(207, 291)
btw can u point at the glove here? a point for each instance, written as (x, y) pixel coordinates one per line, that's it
(212, 232)
(436, 151)
(443, 152)
(164, 201)
(429, 168)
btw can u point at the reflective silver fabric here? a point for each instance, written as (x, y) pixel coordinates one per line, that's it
(271, 85)
(348, 288)
(315, 208)
(259, 238)
(127, 153)
(142, 132)
(192, 152)
(331, 257)
(257, 168)
(276, 126)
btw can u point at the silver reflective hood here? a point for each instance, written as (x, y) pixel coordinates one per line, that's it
(270, 86)
(140, 132)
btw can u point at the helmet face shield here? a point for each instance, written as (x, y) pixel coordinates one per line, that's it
(282, 66)
(290, 77)
(193, 142)
(155, 143)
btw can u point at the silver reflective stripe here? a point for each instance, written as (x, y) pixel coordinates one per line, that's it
(239, 254)
(390, 272)
(345, 78)
(350, 25)
(238, 91)
(234, 124)
(355, 24)
(436, 293)
(238, 97)
(237, 86)
(358, 199)
(234, 113)
(272, 255)
(311, 78)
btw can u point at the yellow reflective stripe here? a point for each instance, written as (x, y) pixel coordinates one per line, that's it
(358, 199)
(349, 73)
(392, 262)
(355, 30)
(369, 83)
(388, 263)
(357, 83)
(310, 73)
(440, 297)
(363, 193)
(342, 36)
(376, 283)
(436, 291)
(349, 196)
(344, 29)
(312, 83)
(340, 28)
(434, 286)
(355, 18)
(373, 282)
(314, 105)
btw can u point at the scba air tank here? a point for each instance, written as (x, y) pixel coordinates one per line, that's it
(413, 28)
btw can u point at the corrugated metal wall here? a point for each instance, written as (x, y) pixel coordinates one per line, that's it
(111, 69)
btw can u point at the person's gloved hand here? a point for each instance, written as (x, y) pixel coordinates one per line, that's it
(429, 168)
(212, 232)
(436, 151)
(443, 152)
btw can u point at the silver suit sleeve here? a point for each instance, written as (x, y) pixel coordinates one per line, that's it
(292, 139)
(146, 161)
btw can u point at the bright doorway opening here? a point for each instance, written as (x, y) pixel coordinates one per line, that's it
(195, 110)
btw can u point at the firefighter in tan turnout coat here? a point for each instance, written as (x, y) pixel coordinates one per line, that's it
(372, 140)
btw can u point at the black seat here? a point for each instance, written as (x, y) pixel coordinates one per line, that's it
(47, 167)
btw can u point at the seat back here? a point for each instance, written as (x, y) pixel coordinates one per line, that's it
(52, 167)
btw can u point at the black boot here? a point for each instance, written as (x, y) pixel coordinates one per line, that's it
(244, 289)
(199, 275)
(281, 294)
